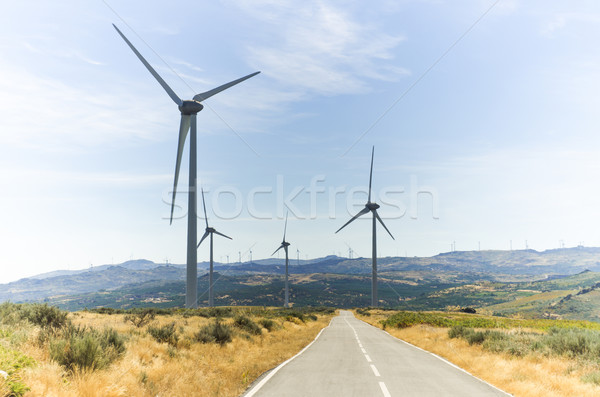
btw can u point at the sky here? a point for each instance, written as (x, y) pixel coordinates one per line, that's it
(483, 114)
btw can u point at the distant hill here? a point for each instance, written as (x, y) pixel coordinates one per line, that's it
(476, 278)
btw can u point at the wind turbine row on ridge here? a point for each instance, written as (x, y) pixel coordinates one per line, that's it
(189, 109)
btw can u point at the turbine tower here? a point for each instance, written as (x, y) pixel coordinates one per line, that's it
(285, 245)
(210, 231)
(188, 109)
(371, 207)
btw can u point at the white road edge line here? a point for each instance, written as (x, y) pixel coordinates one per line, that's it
(375, 370)
(384, 390)
(439, 357)
(368, 358)
(260, 384)
(363, 350)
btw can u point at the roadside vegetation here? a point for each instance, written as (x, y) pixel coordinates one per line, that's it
(146, 352)
(525, 357)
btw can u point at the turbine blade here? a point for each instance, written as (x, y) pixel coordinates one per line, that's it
(285, 227)
(280, 247)
(164, 85)
(371, 174)
(221, 234)
(204, 205)
(383, 224)
(364, 211)
(184, 127)
(203, 238)
(205, 95)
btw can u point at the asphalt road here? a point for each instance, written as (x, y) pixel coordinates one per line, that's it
(352, 358)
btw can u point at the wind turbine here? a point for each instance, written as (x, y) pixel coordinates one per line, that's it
(210, 231)
(285, 245)
(371, 207)
(188, 109)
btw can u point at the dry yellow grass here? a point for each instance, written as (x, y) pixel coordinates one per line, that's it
(530, 376)
(149, 368)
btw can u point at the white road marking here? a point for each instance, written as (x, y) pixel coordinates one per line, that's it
(363, 350)
(375, 370)
(360, 345)
(368, 358)
(260, 384)
(384, 390)
(438, 357)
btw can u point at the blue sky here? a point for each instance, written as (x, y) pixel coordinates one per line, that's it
(499, 136)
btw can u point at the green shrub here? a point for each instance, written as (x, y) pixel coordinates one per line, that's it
(47, 317)
(363, 312)
(593, 377)
(475, 338)
(86, 348)
(164, 334)
(12, 361)
(140, 318)
(214, 333)
(458, 331)
(267, 323)
(246, 324)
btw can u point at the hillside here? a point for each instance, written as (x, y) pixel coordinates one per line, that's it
(506, 282)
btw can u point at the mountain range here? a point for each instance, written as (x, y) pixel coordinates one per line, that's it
(413, 275)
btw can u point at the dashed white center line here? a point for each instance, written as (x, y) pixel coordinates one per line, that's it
(375, 370)
(382, 385)
(384, 390)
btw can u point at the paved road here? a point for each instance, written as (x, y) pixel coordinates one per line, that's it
(352, 358)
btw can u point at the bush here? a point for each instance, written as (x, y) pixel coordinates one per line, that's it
(363, 312)
(214, 333)
(140, 318)
(267, 323)
(245, 323)
(86, 348)
(12, 361)
(47, 317)
(458, 331)
(164, 334)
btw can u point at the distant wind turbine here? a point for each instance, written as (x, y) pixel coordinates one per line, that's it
(210, 231)
(371, 207)
(188, 109)
(285, 245)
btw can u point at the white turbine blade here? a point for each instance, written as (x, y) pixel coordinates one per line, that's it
(285, 227)
(383, 224)
(371, 174)
(184, 127)
(203, 238)
(214, 91)
(204, 205)
(364, 211)
(164, 85)
(280, 247)
(221, 234)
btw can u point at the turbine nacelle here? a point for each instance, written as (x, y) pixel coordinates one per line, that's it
(190, 107)
(372, 206)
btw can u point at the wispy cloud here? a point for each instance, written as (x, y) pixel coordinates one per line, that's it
(562, 20)
(322, 49)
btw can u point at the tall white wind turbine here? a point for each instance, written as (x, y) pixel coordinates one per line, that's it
(285, 245)
(371, 207)
(210, 231)
(188, 109)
